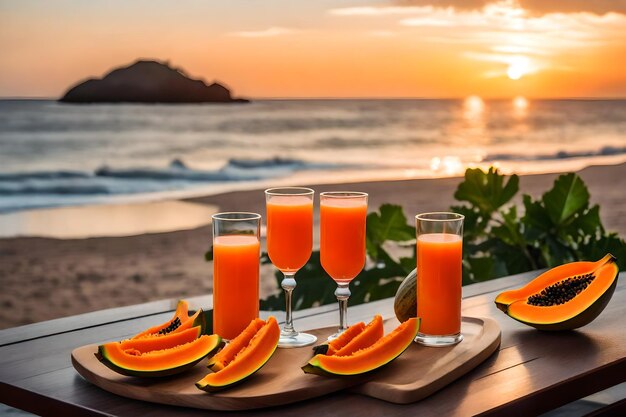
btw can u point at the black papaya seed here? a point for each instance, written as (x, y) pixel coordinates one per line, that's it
(561, 292)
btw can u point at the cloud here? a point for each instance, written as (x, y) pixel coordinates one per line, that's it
(572, 6)
(455, 4)
(266, 33)
(509, 39)
(379, 11)
(535, 7)
(426, 21)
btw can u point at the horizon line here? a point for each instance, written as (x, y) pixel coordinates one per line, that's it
(299, 98)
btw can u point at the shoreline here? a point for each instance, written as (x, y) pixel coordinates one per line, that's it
(354, 175)
(46, 278)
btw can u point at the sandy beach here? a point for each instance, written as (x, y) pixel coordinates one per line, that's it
(46, 278)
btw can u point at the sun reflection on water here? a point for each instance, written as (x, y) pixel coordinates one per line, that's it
(473, 129)
(520, 107)
(473, 108)
(447, 165)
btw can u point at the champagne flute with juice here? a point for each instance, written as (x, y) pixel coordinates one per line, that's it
(289, 246)
(342, 243)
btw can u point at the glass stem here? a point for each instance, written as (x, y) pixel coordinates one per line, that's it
(343, 293)
(288, 283)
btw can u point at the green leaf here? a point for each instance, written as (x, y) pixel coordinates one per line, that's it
(475, 222)
(568, 196)
(372, 248)
(208, 256)
(376, 283)
(557, 252)
(509, 230)
(408, 264)
(371, 287)
(536, 219)
(482, 268)
(513, 259)
(389, 224)
(596, 248)
(314, 287)
(585, 224)
(486, 191)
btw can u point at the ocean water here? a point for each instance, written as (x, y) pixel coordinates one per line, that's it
(54, 154)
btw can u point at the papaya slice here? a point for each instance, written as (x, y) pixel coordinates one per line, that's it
(247, 361)
(181, 314)
(365, 360)
(180, 322)
(344, 338)
(221, 359)
(370, 335)
(148, 344)
(565, 297)
(157, 363)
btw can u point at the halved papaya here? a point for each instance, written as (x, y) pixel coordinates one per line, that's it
(365, 360)
(156, 363)
(181, 321)
(221, 359)
(245, 362)
(370, 335)
(565, 297)
(148, 344)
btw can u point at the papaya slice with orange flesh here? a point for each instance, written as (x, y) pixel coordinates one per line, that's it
(565, 297)
(247, 361)
(148, 344)
(198, 319)
(180, 322)
(365, 360)
(181, 314)
(221, 359)
(370, 335)
(345, 338)
(157, 363)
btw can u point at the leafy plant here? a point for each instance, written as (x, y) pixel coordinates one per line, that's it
(559, 227)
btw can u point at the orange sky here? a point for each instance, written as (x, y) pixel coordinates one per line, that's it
(324, 48)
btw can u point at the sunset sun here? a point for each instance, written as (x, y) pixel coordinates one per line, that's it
(518, 67)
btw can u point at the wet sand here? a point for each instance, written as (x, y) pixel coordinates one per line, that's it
(45, 278)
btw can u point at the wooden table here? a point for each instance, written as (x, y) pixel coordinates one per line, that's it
(532, 372)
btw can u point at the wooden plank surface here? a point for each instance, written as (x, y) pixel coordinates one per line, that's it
(531, 373)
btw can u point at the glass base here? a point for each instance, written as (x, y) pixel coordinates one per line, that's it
(334, 336)
(438, 340)
(295, 339)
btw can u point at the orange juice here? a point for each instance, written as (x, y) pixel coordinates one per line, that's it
(235, 283)
(439, 283)
(342, 237)
(289, 231)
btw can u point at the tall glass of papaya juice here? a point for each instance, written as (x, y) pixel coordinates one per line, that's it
(236, 256)
(439, 268)
(289, 245)
(342, 243)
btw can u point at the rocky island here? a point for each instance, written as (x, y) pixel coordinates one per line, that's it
(148, 82)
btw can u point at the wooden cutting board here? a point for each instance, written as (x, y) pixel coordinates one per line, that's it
(417, 373)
